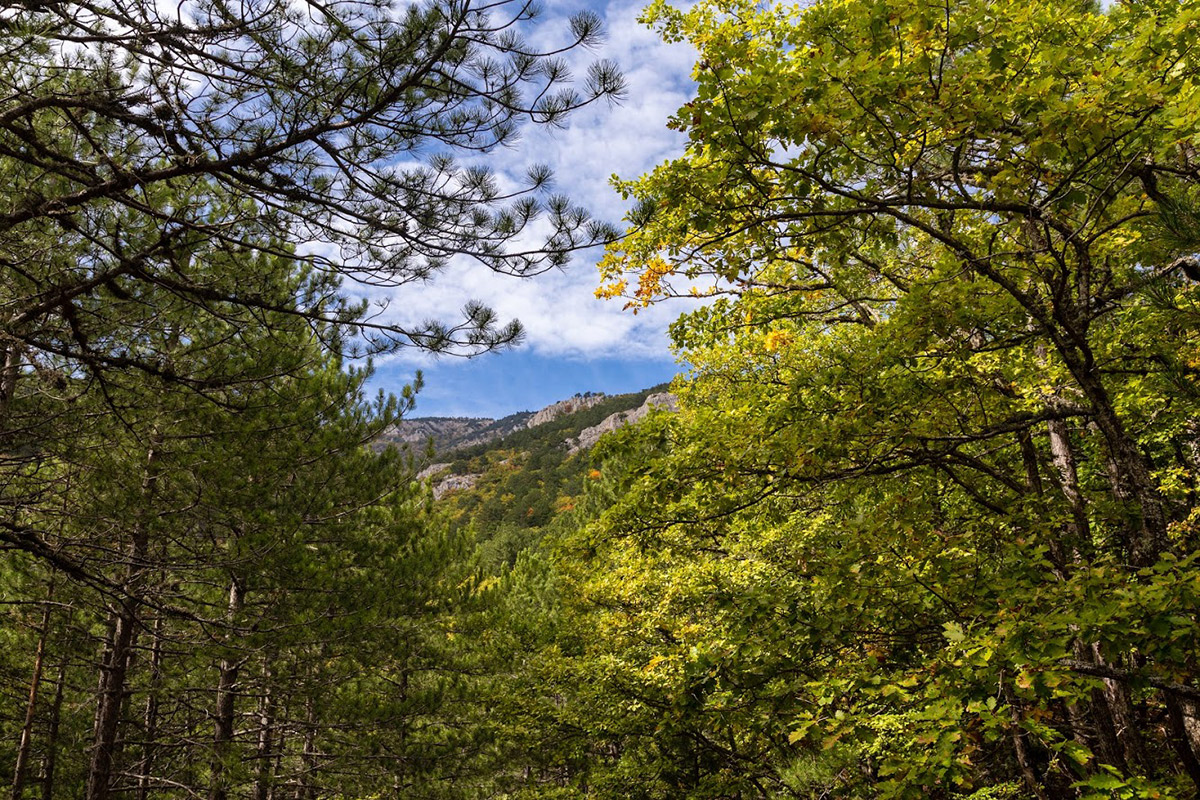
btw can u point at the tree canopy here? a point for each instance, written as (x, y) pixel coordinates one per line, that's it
(349, 133)
(924, 526)
(928, 521)
(210, 584)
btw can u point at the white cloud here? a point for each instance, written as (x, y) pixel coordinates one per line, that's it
(560, 313)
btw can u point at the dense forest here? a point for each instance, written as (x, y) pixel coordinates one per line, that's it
(924, 524)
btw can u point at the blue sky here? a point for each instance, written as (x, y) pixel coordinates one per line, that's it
(573, 342)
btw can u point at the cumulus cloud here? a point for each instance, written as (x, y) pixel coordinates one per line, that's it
(559, 310)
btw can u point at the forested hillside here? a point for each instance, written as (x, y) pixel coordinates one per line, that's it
(507, 492)
(924, 520)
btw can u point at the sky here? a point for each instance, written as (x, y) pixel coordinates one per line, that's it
(573, 341)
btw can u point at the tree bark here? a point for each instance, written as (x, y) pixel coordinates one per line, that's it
(1028, 776)
(26, 740)
(113, 672)
(111, 699)
(1180, 740)
(1120, 705)
(1063, 455)
(1130, 473)
(9, 370)
(308, 789)
(51, 756)
(150, 715)
(223, 713)
(266, 723)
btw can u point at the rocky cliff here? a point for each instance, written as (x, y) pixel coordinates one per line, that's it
(456, 433)
(569, 406)
(451, 433)
(588, 437)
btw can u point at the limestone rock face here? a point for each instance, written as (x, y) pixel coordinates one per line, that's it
(569, 406)
(454, 433)
(445, 484)
(453, 483)
(450, 433)
(588, 437)
(431, 470)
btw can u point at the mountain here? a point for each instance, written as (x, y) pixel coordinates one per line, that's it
(448, 434)
(451, 433)
(588, 437)
(513, 479)
(579, 402)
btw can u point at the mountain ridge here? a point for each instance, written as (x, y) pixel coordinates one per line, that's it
(509, 489)
(449, 434)
(548, 443)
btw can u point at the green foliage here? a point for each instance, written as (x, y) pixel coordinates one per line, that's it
(926, 525)
(210, 587)
(251, 584)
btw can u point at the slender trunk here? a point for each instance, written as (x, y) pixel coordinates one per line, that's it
(223, 714)
(1180, 740)
(150, 715)
(51, 755)
(1120, 705)
(111, 700)
(1107, 743)
(308, 789)
(1130, 471)
(112, 689)
(9, 370)
(1118, 737)
(1065, 462)
(1066, 476)
(262, 752)
(1130, 480)
(1029, 459)
(26, 741)
(1020, 750)
(1027, 774)
(280, 748)
(1191, 724)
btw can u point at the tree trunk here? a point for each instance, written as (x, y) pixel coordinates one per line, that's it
(223, 714)
(150, 715)
(113, 671)
(1065, 462)
(26, 741)
(9, 370)
(308, 789)
(262, 752)
(281, 746)
(1120, 706)
(111, 699)
(1181, 741)
(51, 755)
(1029, 459)
(1130, 472)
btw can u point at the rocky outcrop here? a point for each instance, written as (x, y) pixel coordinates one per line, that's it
(449, 434)
(431, 470)
(446, 484)
(569, 406)
(453, 483)
(588, 437)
